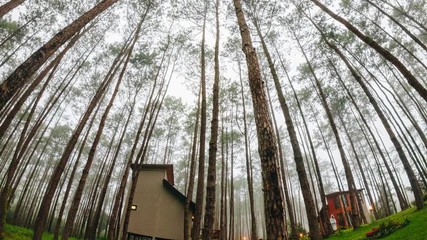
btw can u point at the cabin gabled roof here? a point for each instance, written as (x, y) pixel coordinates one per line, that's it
(167, 167)
(178, 194)
(341, 193)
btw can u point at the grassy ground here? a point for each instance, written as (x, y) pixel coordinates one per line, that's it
(19, 233)
(416, 230)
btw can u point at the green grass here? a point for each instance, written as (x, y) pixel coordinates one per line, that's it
(416, 230)
(19, 233)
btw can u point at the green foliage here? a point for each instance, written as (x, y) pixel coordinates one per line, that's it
(8, 26)
(414, 231)
(19, 233)
(143, 58)
(345, 3)
(15, 232)
(385, 229)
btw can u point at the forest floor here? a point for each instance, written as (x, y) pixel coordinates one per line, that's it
(20, 233)
(415, 230)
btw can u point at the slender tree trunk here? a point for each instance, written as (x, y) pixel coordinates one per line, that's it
(23, 73)
(273, 202)
(46, 202)
(50, 68)
(362, 213)
(411, 175)
(223, 218)
(347, 169)
(77, 197)
(71, 179)
(188, 216)
(408, 114)
(6, 191)
(195, 233)
(8, 38)
(149, 110)
(314, 227)
(231, 233)
(399, 42)
(412, 80)
(324, 216)
(254, 233)
(398, 192)
(420, 25)
(412, 36)
(9, 6)
(213, 144)
(334, 169)
(114, 219)
(282, 161)
(97, 213)
(153, 108)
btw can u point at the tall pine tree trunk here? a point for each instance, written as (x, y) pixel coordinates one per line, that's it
(249, 178)
(6, 191)
(273, 202)
(23, 73)
(9, 6)
(77, 197)
(412, 36)
(411, 175)
(213, 144)
(412, 80)
(195, 233)
(57, 173)
(347, 169)
(188, 216)
(299, 161)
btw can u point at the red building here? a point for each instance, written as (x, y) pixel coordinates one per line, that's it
(338, 201)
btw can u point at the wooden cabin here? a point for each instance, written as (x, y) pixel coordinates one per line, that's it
(338, 201)
(157, 209)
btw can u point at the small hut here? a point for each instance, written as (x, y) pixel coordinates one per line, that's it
(339, 207)
(157, 206)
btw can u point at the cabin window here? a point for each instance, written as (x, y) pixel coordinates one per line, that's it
(337, 202)
(345, 200)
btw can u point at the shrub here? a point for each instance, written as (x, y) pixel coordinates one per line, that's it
(385, 229)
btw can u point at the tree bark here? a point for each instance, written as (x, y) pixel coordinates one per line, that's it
(57, 173)
(273, 202)
(6, 191)
(188, 216)
(77, 197)
(213, 144)
(254, 233)
(23, 73)
(412, 36)
(411, 175)
(412, 80)
(9, 6)
(195, 233)
(314, 227)
(347, 169)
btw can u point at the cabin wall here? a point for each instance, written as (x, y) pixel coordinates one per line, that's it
(159, 213)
